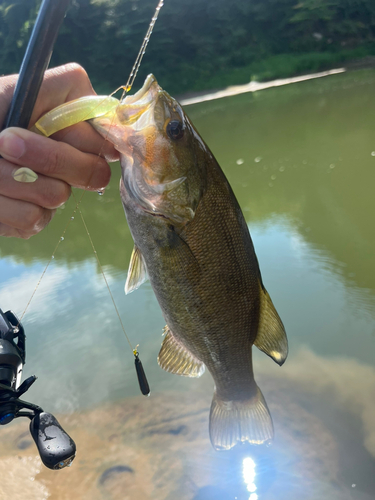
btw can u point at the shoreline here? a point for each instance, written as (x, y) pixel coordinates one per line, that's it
(189, 98)
(255, 86)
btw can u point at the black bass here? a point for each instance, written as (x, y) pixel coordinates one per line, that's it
(193, 242)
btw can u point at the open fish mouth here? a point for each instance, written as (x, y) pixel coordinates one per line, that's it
(142, 92)
(132, 107)
(134, 113)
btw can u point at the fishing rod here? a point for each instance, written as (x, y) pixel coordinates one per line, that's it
(35, 61)
(56, 448)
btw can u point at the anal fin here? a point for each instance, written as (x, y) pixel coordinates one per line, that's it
(271, 337)
(137, 273)
(175, 358)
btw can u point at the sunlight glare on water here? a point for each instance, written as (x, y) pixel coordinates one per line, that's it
(249, 474)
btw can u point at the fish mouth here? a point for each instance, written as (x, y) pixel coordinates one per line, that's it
(142, 92)
(132, 107)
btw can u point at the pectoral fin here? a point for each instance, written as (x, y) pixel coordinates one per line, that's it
(175, 358)
(271, 337)
(137, 273)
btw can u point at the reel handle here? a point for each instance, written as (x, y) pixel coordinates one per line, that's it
(56, 448)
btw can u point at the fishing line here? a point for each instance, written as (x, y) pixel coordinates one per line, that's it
(52, 256)
(142, 379)
(102, 271)
(141, 53)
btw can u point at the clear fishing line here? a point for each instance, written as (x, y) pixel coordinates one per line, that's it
(141, 53)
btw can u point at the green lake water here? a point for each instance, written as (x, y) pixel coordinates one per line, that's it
(301, 161)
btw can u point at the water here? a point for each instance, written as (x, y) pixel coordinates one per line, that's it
(300, 160)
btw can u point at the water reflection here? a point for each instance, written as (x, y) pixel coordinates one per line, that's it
(71, 317)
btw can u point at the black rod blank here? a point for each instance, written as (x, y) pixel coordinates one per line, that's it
(35, 62)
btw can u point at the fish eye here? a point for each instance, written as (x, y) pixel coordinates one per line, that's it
(175, 130)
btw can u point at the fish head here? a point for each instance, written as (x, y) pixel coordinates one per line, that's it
(162, 155)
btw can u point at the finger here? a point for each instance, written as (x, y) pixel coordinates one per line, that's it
(83, 137)
(12, 232)
(63, 84)
(59, 85)
(45, 191)
(54, 159)
(23, 215)
(7, 90)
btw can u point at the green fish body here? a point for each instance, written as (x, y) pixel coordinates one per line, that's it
(193, 242)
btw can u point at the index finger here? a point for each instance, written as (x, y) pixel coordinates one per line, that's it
(59, 85)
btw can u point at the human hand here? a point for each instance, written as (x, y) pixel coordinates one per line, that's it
(71, 158)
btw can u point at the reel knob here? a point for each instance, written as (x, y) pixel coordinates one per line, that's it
(56, 448)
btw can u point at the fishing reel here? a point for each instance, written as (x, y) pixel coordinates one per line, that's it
(56, 448)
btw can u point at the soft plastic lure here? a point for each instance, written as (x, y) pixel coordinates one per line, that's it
(73, 112)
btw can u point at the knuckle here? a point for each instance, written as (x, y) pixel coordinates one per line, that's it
(100, 175)
(32, 218)
(77, 72)
(63, 194)
(36, 219)
(6, 93)
(53, 161)
(9, 231)
(6, 231)
(3, 171)
(25, 235)
(106, 173)
(54, 198)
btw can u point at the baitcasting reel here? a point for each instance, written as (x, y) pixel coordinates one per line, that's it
(56, 449)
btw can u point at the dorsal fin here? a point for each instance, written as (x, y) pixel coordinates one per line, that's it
(137, 273)
(271, 337)
(175, 358)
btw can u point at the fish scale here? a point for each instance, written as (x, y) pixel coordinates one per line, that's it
(229, 310)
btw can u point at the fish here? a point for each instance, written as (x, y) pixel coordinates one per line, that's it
(191, 240)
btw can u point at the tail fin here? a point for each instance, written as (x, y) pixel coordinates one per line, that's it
(233, 422)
